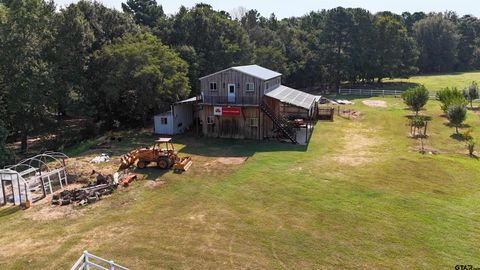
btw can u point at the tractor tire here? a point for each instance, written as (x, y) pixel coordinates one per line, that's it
(163, 163)
(141, 164)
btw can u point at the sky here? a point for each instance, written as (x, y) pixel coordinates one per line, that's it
(288, 8)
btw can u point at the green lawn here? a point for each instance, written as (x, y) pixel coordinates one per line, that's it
(439, 81)
(359, 196)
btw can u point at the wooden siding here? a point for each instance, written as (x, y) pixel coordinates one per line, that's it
(237, 126)
(243, 97)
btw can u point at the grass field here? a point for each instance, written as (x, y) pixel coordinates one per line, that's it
(359, 196)
(439, 81)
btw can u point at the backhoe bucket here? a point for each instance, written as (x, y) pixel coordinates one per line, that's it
(183, 165)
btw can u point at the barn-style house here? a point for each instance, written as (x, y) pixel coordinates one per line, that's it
(249, 102)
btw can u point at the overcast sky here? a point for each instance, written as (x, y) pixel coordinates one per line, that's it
(288, 8)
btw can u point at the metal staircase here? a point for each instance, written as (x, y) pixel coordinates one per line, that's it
(280, 122)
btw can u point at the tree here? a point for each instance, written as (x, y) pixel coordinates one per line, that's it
(471, 93)
(468, 28)
(396, 51)
(336, 41)
(73, 40)
(416, 98)
(144, 12)
(5, 153)
(219, 42)
(437, 40)
(449, 96)
(456, 113)
(137, 76)
(25, 38)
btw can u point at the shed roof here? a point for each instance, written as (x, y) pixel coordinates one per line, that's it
(189, 100)
(252, 70)
(292, 96)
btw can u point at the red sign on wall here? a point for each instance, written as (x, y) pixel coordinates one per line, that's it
(227, 111)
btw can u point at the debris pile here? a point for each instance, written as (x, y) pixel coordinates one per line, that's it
(104, 185)
(83, 196)
(100, 159)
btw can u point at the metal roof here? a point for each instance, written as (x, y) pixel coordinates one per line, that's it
(252, 70)
(192, 99)
(162, 140)
(291, 96)
(258, 71)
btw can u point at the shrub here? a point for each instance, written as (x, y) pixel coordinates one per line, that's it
(416, 98)
(471, 93)
(416, 123)
(471, 146)
(457, 113)
(450, 96)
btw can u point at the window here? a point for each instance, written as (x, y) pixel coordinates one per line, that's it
(210, 120)
(163, 120)
(213, 86)
(266, 85)
(250, 87)
(252, 122)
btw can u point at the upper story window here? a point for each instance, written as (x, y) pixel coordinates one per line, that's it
(250, 87)
(267, 85)
(213, 86)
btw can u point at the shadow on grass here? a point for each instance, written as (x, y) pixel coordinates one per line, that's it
(8, 210)
(425, 117)
(448, 124)
(458, 137)
(214, 147)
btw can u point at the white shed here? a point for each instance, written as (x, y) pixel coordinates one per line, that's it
(177, 120)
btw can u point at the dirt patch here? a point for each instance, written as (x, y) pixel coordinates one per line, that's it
(357, 148)
(155, 184)
(52, 212)
(231, 160)
(375, 103)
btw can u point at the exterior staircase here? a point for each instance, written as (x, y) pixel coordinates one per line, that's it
(282, 124)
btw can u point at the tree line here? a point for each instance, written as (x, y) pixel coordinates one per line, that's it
(119, 67)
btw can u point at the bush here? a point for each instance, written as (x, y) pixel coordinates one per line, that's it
(471, 146)
(471, 93)
(457, 113)
(450, 96)
(416, 98)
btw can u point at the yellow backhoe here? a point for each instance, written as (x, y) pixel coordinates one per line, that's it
(162, 153)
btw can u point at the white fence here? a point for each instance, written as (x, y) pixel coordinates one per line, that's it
(369, 92)
(376, 92)
(91, 262)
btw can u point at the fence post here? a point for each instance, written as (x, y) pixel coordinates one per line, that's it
(87, 261)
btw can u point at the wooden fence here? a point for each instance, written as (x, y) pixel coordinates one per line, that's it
(89, 262)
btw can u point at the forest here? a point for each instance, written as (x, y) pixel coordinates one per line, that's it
(116, 68)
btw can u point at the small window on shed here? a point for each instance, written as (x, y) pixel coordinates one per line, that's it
(210, 120)
(267, 85)
(252, 122)
(250, 87)
(213, 86)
